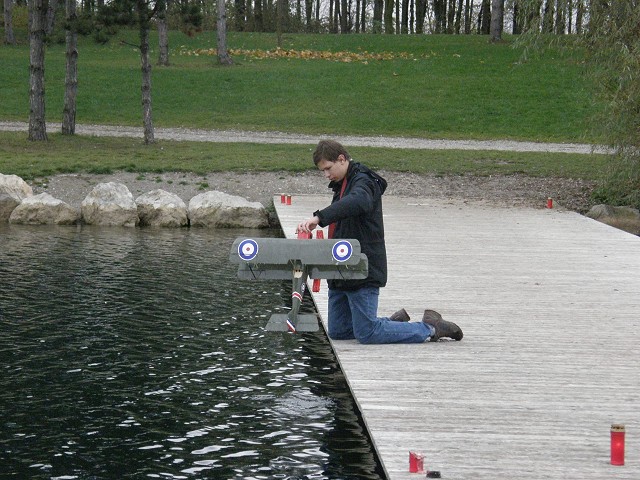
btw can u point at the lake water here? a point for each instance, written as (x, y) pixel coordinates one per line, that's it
(137, 353)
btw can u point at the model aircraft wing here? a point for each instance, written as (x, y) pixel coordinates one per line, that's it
(279, 258)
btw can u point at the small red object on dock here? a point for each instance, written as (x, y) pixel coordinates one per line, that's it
(288, 199)
(283, 198)
(316, 281)
(416, 462)
(617, 444)
(549, 202)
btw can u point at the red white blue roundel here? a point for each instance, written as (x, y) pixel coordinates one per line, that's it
(342, 251)
(248, 249)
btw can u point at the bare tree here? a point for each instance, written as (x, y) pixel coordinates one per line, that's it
(37, 25)
(388, 16)
(71, 72)
(223, 55)
(497, 15)
(421, 12)
(51, 16)
(163, 35)
(9, 37)
(144, 20)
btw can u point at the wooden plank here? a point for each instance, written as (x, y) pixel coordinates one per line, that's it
(549, 304)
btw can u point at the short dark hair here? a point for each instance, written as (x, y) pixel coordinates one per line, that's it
(329, 150)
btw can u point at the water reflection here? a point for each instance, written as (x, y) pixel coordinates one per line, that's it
(136, 353)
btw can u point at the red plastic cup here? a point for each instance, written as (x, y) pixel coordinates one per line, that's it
(617, 444)
(416, 463)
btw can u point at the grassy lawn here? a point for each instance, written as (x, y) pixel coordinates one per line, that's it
(433, 86)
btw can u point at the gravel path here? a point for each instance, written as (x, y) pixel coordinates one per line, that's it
(231, 136)
(511, 190)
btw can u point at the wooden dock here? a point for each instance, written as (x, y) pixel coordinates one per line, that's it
(549, 302)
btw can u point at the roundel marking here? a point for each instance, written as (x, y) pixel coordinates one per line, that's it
(248, 249)
(342, 251)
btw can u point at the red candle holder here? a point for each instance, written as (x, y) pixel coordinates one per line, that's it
(316, 282)
(416, 462)
(283, 198)
(549, 202)
(288, 199)
(617, 444)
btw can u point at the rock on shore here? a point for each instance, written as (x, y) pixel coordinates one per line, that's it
(112, 204)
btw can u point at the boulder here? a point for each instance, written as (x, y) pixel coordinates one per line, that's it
(159, 208)
(217, 209)
(7, 205)
(624, 218)
(15, 186)
(110, 204)
(43, 209)
(13, 190)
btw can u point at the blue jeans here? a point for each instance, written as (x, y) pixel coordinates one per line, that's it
(354, 314)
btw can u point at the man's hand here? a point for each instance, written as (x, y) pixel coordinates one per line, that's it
(308, 225)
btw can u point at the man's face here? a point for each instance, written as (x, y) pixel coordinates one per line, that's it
(334, 171)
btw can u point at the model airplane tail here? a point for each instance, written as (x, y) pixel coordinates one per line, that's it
(282, 259)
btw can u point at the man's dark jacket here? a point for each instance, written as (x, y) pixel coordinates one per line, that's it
(358, 214)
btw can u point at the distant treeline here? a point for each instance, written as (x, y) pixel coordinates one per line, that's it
(348, 16)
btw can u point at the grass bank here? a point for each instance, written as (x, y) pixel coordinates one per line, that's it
(64, 154)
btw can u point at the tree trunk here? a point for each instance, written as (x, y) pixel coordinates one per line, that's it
(517, 30)
(439, 16)
(421, 12)
(579, 16)
(37, 25)
(412, 16)
(308, 14)
(397, 7)
(547, 19)
(497, 13)
(258, 16)
(278, 23)
(241, 10)
(485, 18)
(223, 56)
(147, 118)
(9, 37)
(560, 17)
(357, 16)
(163, 35)
(468, 8)
(404, 27)
(378, 7)
(345, 24)
(51, 16)
(388, 16)
(71, 72)
(451, 12)
(458, 22)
